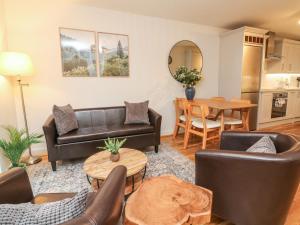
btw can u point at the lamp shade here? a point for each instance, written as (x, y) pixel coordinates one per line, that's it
(15, 64)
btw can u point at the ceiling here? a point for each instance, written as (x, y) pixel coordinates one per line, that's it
(280, 16)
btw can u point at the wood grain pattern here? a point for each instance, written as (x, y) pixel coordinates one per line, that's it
(99, 165)
(167, 200)
(292, 129)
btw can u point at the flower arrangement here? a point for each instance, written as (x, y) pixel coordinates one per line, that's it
(188, 77)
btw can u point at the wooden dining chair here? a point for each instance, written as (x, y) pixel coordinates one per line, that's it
(238, 118)
(199, 125)
(181, 115)
(214, 113)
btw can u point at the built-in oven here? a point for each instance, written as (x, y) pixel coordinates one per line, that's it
(279, 104)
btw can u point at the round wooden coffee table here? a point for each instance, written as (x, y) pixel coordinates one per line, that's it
(99, 165)
(167, 200)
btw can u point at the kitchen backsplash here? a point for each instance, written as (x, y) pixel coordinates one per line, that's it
(273, 81)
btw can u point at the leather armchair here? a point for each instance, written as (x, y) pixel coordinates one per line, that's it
(103, 207)
(250, 188)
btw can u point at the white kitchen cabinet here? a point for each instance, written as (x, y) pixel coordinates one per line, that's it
(265, 107)
(297, 104)
(290, 57)
(291, 104)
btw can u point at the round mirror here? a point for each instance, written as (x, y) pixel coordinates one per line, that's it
(185, 53)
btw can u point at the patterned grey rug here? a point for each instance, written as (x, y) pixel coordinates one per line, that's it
(70, 176)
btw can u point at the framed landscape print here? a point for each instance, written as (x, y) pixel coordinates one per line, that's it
(78, 53)
(113, 55)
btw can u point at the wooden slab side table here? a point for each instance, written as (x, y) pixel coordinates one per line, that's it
(167, 200)
(98, 166)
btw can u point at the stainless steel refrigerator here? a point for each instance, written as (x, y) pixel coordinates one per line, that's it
(251, 74)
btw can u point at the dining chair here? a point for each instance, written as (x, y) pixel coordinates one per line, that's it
(199, 125)
(181, 115)
(237, 118)
(214, 113)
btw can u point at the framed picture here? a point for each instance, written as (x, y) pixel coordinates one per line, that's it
(113, 55)
(78, 52)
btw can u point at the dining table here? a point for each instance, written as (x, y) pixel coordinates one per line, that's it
(226, 105)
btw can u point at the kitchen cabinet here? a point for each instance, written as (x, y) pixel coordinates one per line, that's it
(297, 104)
(291, 104)
(290, 57)
(265, 107)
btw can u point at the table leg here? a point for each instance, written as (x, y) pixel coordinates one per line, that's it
(222, 121)
(132, 179)
(247, 114)
(144, 173)
(88, 179)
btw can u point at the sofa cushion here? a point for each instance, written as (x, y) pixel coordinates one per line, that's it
(137, 113)
(102, 132)
(263, 145)
(65, 119)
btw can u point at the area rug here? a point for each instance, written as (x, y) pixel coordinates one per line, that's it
(70, 176)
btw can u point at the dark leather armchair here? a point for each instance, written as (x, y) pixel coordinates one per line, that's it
(250, 188)
(103, 208)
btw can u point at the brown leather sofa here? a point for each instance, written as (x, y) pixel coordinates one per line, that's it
(96, 125)
(103, 208)
(250, 188)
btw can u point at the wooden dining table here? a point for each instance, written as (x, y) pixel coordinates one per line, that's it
(222, 106)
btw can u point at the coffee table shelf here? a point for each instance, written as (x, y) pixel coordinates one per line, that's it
(98, 166)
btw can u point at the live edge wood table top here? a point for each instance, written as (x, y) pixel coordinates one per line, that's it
(167, 200)
(99, 165)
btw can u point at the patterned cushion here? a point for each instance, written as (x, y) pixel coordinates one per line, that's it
(263, 145)
(65, 119)
(45, 214)
(137, 113)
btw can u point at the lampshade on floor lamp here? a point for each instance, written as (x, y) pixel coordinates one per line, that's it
(19, 64)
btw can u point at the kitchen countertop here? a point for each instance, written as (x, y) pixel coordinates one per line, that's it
(279, 89)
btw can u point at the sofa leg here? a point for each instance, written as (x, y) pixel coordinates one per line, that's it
(53, 165)
(156, 148)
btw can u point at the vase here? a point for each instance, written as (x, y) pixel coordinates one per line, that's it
(115, 157)
(190, 93)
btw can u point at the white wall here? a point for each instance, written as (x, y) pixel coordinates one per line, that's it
(231, 57)
(32, 27)
(7, 105)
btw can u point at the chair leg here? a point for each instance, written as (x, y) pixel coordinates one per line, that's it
(204, 140)
(175, 131)
(53, 165)
(186, 139)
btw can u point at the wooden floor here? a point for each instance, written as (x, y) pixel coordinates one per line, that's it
(195, 145)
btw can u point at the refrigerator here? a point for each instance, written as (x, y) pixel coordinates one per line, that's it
(251, 74)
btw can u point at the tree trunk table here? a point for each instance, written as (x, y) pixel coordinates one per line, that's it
(167, 200)
(98, 166)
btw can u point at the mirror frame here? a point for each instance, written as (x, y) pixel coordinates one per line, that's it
(170, 58)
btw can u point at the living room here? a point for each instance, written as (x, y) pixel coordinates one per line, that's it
(164, 140)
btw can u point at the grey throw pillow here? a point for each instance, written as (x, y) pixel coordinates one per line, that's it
(65, 119)
(45, 214)
(263, 145)
(137, 113)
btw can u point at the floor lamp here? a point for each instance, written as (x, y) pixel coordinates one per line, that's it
(18, 65)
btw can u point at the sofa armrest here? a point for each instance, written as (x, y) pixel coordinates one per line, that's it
(15, 187)
(155, 120)
(106, 207)
(50, 132)
(248, 183)
(241, 141)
